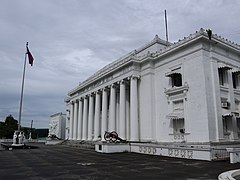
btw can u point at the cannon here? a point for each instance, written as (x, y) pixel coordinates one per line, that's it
(112, 137)
(53, 137)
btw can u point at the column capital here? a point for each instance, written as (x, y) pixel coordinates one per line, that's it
(92, 95)
(105, 89)
(123, 81)
(98, 92)
(135, 77)
(113, 85)
(73, 101)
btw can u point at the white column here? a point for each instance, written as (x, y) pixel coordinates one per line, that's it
(112, 115)
(134, 125)
(117, 110)
(85, 118)
(90, 117)
(122, 118)
(75, 120)
(97, 116)
(71, 121)
(80, 119)
(104, 113)
(127, 116)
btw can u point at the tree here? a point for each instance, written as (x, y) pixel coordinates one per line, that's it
(8, 127)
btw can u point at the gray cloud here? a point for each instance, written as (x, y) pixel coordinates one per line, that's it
(70, 40)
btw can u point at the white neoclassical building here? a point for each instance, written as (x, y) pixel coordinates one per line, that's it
(185, 94)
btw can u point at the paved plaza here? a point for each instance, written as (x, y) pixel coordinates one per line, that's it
(64, 162)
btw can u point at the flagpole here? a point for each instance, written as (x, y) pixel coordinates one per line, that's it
(165, 12)
(21, 99)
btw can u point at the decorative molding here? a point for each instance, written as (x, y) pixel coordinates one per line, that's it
(123, 81)
(113, 85)
(177, 92)
(135, 77)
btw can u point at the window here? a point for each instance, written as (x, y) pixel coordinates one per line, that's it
(178, 126)
(235, 80)
(176, 80)
(237, 105)
(227, 126)
(178, 120)
(222, 73)
(238, 127)
(175, 77)
(238, 124)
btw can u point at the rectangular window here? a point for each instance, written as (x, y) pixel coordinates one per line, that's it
(175, 77)
(235, 80)
(238, 127)
(237, 104)
(178, 125)
(176, 80)
(227, 127)
(223, 76)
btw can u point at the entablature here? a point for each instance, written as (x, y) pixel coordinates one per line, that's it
(106, 76)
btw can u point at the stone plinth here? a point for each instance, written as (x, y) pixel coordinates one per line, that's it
(234, 155)
(112, 147)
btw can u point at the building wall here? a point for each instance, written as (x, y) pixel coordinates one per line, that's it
(190, 113)
(190, 61)
(147, 103)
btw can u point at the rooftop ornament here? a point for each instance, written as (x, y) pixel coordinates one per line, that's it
(209, 32)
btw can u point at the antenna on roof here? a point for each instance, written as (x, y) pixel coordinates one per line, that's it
(165, 12)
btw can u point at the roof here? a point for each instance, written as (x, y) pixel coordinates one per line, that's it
(134, 57)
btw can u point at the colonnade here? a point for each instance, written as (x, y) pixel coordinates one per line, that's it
(113, 108)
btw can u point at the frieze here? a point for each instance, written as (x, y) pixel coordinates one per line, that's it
(107, 79)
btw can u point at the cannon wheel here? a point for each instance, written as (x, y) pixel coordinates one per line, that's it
(107, 136)
(114, 136)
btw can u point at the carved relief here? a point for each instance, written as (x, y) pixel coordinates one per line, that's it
(54, 128)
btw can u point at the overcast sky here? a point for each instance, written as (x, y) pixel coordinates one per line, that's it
(72, 39)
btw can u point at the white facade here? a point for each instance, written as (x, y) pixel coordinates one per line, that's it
(188, 92)
(57, 125)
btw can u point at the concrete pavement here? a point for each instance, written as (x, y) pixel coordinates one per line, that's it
(64, 162)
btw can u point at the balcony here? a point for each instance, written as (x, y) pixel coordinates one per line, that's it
(178, 92)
